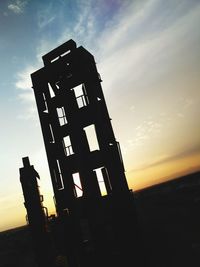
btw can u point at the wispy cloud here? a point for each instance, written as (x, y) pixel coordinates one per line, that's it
(84, 27)
(18, 6)
(45, 15)
(24, 79)
(148, 129)
(44, 21)
(168, 158)
(31, 114)
(137, 50)
(6, 202)
(131, 44)
(187, 102)
(25, 93)
(43, 47)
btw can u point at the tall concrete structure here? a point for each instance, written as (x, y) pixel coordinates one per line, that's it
(91, 193)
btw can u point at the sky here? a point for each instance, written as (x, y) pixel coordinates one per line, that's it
(148, 55)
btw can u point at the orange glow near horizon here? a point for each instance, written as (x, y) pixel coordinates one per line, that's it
(163, 172)
(136, 179)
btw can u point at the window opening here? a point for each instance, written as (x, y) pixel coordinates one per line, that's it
(77, 184)
(59, 177)
(106, 180)
(57, 84)
(92, 137)
(51, 90)
(68, 146)
(61, 116)
(60, 56)
(81, 95)
(101, 182)
(45, 103)
(52, 139)
(120, 154)
(56, 58)
(65, 53)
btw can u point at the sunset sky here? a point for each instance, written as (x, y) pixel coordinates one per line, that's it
(148, 55)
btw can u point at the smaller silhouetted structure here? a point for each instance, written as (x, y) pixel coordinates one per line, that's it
(35, 213)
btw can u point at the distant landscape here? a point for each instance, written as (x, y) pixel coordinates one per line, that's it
(169, 223)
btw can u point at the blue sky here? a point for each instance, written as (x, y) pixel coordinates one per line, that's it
(148, 54)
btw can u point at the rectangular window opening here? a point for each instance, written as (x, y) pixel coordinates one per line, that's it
(100, 180)
(52, 139)
(77, 184)
(92, 137)
(81, 95)
(58, 176)
(60, 55)
(56, 58)
(61, 116)
(68, 146)
(45, 103)
(65, 53)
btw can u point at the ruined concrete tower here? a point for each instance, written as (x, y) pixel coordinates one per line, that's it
(91, 193)
(73, 115)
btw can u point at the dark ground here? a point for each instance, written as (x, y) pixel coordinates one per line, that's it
(169, 215)
(169, 218)
(15, 248)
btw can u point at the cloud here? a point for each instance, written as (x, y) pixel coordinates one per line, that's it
(18, 6)
(83, 26)
(10, 201)
(187, 102)
(131, 44)
(136, 50)
(43, 47)
(169, 158)
(27, 97)
(119, 33)
(25, 93)
(146, 130)
(44, 21)
(24, 79)
(46, 15)
(180, 115)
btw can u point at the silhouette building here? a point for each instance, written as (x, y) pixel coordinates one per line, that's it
(96, 221)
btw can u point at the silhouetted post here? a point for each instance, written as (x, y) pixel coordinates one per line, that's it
(35, 213)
